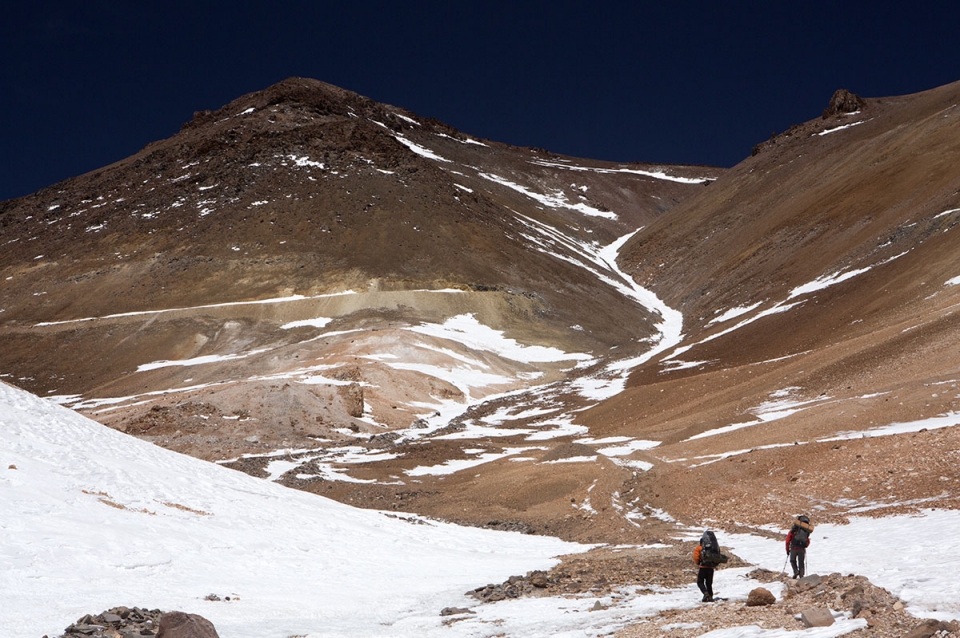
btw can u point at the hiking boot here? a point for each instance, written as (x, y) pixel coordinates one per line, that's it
(707, 598)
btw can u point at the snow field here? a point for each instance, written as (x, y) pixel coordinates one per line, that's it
(913, 557)
(92, 519)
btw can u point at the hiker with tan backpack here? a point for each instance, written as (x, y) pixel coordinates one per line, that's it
(798, 539)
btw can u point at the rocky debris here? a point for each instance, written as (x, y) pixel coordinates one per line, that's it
(515, 587)
(383, 440)
(177, 624)
(760, 597)
(816, 617)
(815, 596)
(509, 526)
(119, 622)
(805, 583)
(843, 101)
(931, 627)
(602, 572)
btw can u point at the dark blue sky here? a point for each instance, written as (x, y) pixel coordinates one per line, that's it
(84, 84)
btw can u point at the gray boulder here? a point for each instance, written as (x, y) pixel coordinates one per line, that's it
(816, 617)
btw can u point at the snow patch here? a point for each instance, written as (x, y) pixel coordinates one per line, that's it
(633, 171)
(555, 200)
(420, 150)
(840, 128)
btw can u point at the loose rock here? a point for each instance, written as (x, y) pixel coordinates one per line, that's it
(816, 617)
(760, 597)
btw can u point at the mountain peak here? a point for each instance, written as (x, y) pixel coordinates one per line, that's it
(319, 98)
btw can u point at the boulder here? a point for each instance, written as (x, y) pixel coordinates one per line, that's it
(816, 617)
(177, 624)
(804, 584)
(760, 597)
(929, 628)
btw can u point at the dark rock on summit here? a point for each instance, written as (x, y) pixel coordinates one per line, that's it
(843, 101)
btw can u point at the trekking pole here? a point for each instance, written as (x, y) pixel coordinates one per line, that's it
(783, 570)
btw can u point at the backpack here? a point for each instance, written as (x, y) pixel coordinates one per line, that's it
(711, 558)
(710, 555)
(801, 537)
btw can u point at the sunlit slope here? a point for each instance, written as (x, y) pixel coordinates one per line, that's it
(818, 283)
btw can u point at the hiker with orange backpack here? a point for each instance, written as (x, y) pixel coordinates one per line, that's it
(707, 556)
(798, 539)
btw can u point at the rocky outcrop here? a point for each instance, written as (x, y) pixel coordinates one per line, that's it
(135, 622)
(843, 101)
(514, 587)
(118, 622)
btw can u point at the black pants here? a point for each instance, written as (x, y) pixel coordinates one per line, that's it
(798, 559)
(705, 581)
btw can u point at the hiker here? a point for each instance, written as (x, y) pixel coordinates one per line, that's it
(798, 539)
(708, 546)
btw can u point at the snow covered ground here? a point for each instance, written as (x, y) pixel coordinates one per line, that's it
(92, 518)
(913, 557)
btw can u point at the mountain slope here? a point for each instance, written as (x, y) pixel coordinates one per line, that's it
(305, 269)
(818, 285)
(345, 298)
